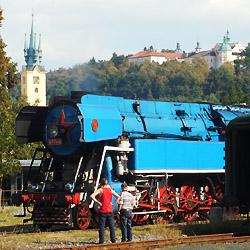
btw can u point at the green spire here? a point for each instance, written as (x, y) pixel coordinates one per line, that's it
(178, 48)
(25, 46)
(39, 49)
(32, 33)
(33, 55)
(227, 37)
(35, 44)
(225, 46)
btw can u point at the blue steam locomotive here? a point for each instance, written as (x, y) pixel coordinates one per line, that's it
(170, 154)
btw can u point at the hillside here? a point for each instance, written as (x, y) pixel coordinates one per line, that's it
(170, 81)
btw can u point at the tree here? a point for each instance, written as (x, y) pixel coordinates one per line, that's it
(220, 79)
(135, 86)
(242, 69)
(245, 61)
(8, 78)
(9, 109)
(233, 96)
(117, 60)
(92, 61)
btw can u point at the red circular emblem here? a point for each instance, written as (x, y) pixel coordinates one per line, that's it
(95, 125)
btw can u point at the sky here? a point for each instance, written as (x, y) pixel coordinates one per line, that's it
(74, 31)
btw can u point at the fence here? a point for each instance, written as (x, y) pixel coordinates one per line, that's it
(6, 197)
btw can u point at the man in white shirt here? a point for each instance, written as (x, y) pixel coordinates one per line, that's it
(125, 206)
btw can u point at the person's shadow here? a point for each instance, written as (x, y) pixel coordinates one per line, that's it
(16, 228)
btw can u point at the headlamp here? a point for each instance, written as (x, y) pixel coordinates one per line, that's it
(53, 131)
(69, 186)
(31, 187)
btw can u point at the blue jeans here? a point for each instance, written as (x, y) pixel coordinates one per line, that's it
(126, 224)
(103, 217)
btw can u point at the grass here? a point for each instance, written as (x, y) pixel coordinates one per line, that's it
(55, 239)
(10, 223)
(203, 228)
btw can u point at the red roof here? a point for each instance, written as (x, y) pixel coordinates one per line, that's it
(149, 53)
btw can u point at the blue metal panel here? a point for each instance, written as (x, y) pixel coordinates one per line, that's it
(186, 107)
(117, 102)
(227, 115)
(133, 123)
(172, 125)
(174, 156)
(147, 107)
(109, 122)
(129, 106)
(163, 108)
(196, 109)
(165, 125)
(196, 125)
(154, 125)
(179, 106)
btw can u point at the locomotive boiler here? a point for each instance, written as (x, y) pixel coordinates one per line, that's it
(170, 154)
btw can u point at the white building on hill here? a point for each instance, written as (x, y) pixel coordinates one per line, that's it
(220, 54)
(154, 56)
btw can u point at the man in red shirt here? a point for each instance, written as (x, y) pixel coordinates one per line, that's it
(106, 209)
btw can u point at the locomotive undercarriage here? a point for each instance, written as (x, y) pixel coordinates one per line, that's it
(63, 197)
(171, 197)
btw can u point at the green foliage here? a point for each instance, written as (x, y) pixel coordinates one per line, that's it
(9, 108)
(133, 85)
(118, 60)
(233, 95)
(11, 151)
(80, 77)
(244, 62)
(170, 81)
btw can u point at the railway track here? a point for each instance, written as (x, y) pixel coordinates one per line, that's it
(162, 243)
(154, 244)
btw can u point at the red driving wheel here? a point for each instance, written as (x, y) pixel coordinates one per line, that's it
(190, 193)
(83, 216)
(167, 199)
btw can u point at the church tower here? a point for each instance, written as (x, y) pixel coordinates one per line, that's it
(198, 48)
(225, 52)
(178, 48)
(33, 75)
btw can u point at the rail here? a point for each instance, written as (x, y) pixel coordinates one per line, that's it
(160, 243)
(168, 242)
